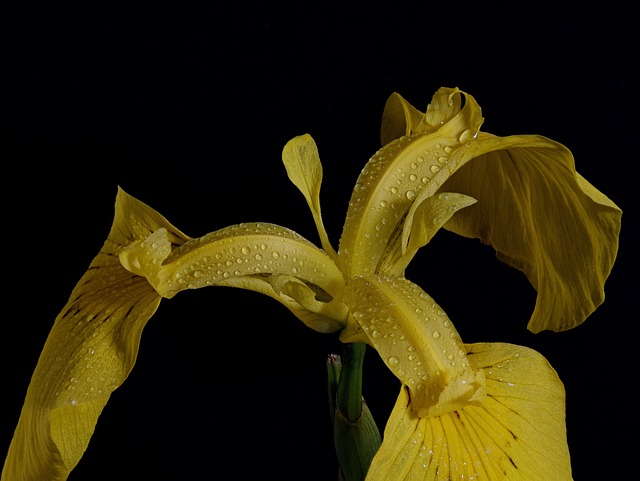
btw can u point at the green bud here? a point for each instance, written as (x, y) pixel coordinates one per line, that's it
(356, 435)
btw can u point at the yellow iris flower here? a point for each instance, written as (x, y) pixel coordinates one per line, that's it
(478, 411)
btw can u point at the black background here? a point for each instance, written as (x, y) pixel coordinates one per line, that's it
(188, 110)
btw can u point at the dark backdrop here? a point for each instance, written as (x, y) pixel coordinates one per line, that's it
(188, 109)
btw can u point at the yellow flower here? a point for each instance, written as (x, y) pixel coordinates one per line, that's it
(485, 411)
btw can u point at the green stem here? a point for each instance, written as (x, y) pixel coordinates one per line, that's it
(349, 396)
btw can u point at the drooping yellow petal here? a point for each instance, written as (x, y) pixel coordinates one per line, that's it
(518, 433)
(302, 162)
(90, 351)
(416, 340)
(542, 218)
(393, 178)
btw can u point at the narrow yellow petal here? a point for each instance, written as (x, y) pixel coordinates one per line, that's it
(90, 351)
(542, 218)
(426, 216)
(302, 162)
(518, 433)
(416, 340)
(397, 174)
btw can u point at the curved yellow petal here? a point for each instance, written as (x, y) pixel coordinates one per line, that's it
(399, 118)
(416, 340)
(392, 179)
(425, 217)
(318, 311)
(89, 352)
(542, 218)
(252, 250)
(517, 434)
(302, 162)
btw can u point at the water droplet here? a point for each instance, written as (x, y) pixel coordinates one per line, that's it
(275, 255)
(468, 135)
(410, 194)
(246, 251)
(375, 334)
(436, 334)
(197, 274)
(393, 361)
(448, 149)
(435, 168)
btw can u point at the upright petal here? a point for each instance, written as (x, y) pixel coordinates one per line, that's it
(518, 433)
(541, 217)
(90, 351)
(393, 178)
(399, 118)
(302, 162)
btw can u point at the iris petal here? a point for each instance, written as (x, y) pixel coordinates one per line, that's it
(542, 218)
(302, 162)
(89, 352)
(399, 118)
(252, 250)
(426, 216)
(517, 433)
(416, 340)
(392, 179)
